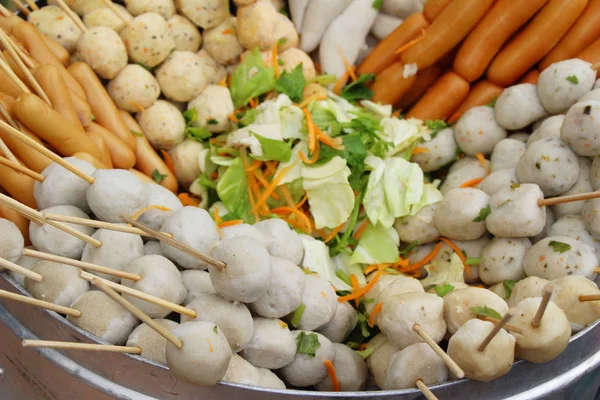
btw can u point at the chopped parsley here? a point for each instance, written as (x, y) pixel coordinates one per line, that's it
(377, 4)
(443, 290)
(573, 79)
(410, 248)
(486, 311)
(515, 186)
(307, 344)
(157, 176)
(508, 287)
(483, 214)
(359, 90)
(297, 315)
(559, 247)
(216, 329)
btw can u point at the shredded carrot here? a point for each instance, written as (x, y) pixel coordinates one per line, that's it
(363, 346)
(300, 216)
(295, 223)
(411, 43)
(228, 31)
(419, 150)
(255, 164)
(397, 113)
(188, 200)
(542, 258)
(313, 159)
(218, 219)
(335, 143)
(375, 267)
(361, 229)
(355, 287)
(287, 195)
(471, 183)
(376, 310)
(362, 291)
(168, 160)
(253, 189)
(481, 159)
(274, 60)
(271, 166)
(334, 232)
(231, 223)
(229, 80)
(304, 199)
(401, 263)
(267, 193)
(253, 103)
(310, 99)
(318, 68)
(312, 134)
(332, 375)
(263, 181)
(341, 82)
(349, 68)
(418, 265)
(459, 253)
(223, 82)
(148, 208)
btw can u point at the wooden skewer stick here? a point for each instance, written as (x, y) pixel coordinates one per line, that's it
(425, 390)
(20, 270)
(115, 10)
(4, 11)
(39, 303)
(30, 62)
(32, 5)
(81, 346)
(496, 329)
(36, 216)
(139, 314)
(450, 363)
(24, 170)
(220, 265)
(13, 77)
(569, 198)
(21, 7)
(597, 271)
(81, 264)
(508, 327)
(540, 312)
(6, 151)
(142, 296)
(98, 224)
(5, 114)
(589, 297)
(9, 130)
(74, 17)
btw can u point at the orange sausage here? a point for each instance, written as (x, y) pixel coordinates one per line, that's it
(16, 218)
(147, 161)
(433, 8)
(59, 52)
(102, 146)
(583, 33)
(486, 40)
(82, 108)
(18, 186)
(7, 86)
(15, 68)
(534, 41)
(591, 54)
(142, 177)
(449, 28)
(442, 99)
(103, 107)
(482, 93)
(531, 77)
(82, 155)
(383, 55)
(424, 80)
(54, 85)
(52, 127)
(122, 157)
(390, 85)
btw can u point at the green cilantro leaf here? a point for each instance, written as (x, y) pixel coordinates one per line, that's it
(515, 186)
(277, 150)
(157, 176)
(436, 124)
(366, 352)
(212, 121)
(307, 344)
(297, 315)
(251, 79)
(197, 134)
(358, 90)
(483, 214)
(190, 115)
(559, 247)
(573, 79)
(508, 287)
(282, 41)
(486, 311)
(216, 329)
(377, 4)
(444, 289)
(292, 84)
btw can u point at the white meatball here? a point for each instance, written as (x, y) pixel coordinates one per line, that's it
(582, 185)
(204, 13)
(186, 35)
(106, 17)
(284, 290)
(61, 187)
(166, 8)
(416, 362)
(153, 248)
(320, 302)
(248, 268)
(269, 379)
(272, 345)
(231, 316)
(561, 84)
(213, 105)
(565, 294)
(590, 216)
(81, 7)
(379, 360)
(593, 95)
(502, 260)
(518, 106)
(293, 57)
(104, 51)
(205, 355)
(117, 251)
(491, 363)
(458, 305)
(115, 192)
(350, 369)
(11, 241)
(222, 43)
(580, 127)
(153, 345)
(214, 72)
(163, 124)
(148, 39)
(506, 154)
(382, 283)
(55, 24)
(399, 285)
(531, 286)
(498, 180)
(573, 226)
(307, 370)
(441, 150)
(419, 227)
(241, 371)
(61, 284)
(343, 323)
(285, 242)
(558, 256)
(157, 195)
(160, 278)
(181, 76)
(549, 339)
(520, 136)
(401, 312)
(246, 230)
(457, 215)
(134, 89)
(197, 283)
(25, 262)
(260, 25)
(49, 239)
(477, 131)
(515, 211)
(468, 170)
(185, 158)
(549, 128)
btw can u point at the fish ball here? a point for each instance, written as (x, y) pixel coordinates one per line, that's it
(477, 131)
(591, 217)
(498, 180)
(502, 260)
(532, 286)
(561, 84)
(350, 369)
(284, 290)
(463, 172)
(441, 151)
(241, 371)
(565, 294)
(246, 230)
(115, 192)
(153, 345)
(419, 227)
(185, 158)
(582, 185)
(186, 35)
(285, 242)
(134, 88)
(457, 214)
(61, 284)
(458, 305)
(204, 13)
(272, 345)
(197, 283)
(163, 125)
(515, 211)
(11, 241)
(148, 31)
(307, 370)
(213, 106)
(548, 129)
(506, 154)
(106, 17)
(214, 71)
(103, 50)
(181, 76)
(25, 262)
(557, 256)
(320, 301)
(153, 247)
(574, 227)
(221, 44)
(293, 57)
(580, 127)
(518, 106)
(416, 362)
(379, 361)
(343, 323)
(56, 25)
(269, 379)
(157, 195)
(166, 8)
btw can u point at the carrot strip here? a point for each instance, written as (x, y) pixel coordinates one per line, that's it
(418, 265)
(371, 268)
(300, 216)
(361, 229)
(304, 199)
(218, 219)
(310, 99)
(419, 150)
(335, 143)
(233, 118)
(252, 187)
(459, 253)
(313, 159)
(396, 113)
(253, 103)
(362, 291)
(148, 208)
(334, 232)
(262, 180)
(332, 375)
(481, 159)
(411, 43)
(255, 164)
(349, 68)
(267, 193)
(230, 223)
(271, 167)
(312, 134)
(355, 287)
(341, 82)
(168, 160)
(188, 200)
(401, 263)
(376, 310)
(223, 82)
(471, 183)
(228, 31)
(274, 60)
(294, 223)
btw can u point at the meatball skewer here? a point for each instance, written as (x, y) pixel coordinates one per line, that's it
(40, 303)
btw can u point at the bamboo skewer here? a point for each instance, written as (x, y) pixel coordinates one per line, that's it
(569, 198)
(142, 296)
(13, 77)
(589, 297)
(32, 4)
(98, 224)
(220, 265)
(508, 327)
(81, 346)
(9, 130)
(20, 270)
(139, 314)
(30, 62)
(496, 329)
(36, 216)
(81, 264)
(5, 150)
(6, 115)
(450, 363)
(74, 17)
(115, 10)
(24, 170)
(540, 312)
(21, 7)
(4, 11)
(425, 390)
(39, 303)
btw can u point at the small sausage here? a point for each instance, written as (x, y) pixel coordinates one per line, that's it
(486, 40)
(18, 185)
(142, 177)
(482, 93)
(433, 8)
(122, 157)
(424, 80)
(452, 26)
(52, 127)
(442, 99)
(18, 219)
(59, 52)
(54, 85)
(591, 54)
(383, 55)
(147, 161)
(8, 86)
(583, 33)
(391, 85)
(82, 108)
(104, 109)
(531, 77)
(82, 155)
(102, 146)
(534, 41)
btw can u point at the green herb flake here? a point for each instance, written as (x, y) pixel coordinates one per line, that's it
(324, 79)
(573, 79)
(292, 83)
(190, 115)
(436, 124)
(493, 102)
(212, 121)
(216, 329)
(473, 260)
(366, 352)
(359, 90)
(486, 311)
(197, 134)
(587, 110)
(508, 287)
(377, 4)
(483, 214)
(136, 133)
(157, 176)
(410, 248)
(297, 315)
(363, 324)
(307, 344)
(559, 247)
(443, 290)
(251, 79)
(282, 41)
(515, 186)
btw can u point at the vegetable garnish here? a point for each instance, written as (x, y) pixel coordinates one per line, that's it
(377, 4)
(251, 78)
(573, 79)
(459, 253)
(358, 90)
(357, 294)
(332, 375)
(442, 290)
(297, 315)
(508, 287)
(292, 83)
(366, 352)
(426, 260)
(376, 310)
(168, 160)
(157, 176)
(188, 200)
(342, 80)
(411, 43)
(139, 213)
(486, 311)
(471, 183)
(473, 261)
(307, 344)
(481, 159)
(483, 214)
(559, 247)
